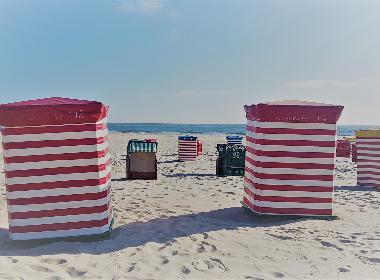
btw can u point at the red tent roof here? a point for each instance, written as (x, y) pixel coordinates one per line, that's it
(297, 103)
(294, 111)
(51, 111)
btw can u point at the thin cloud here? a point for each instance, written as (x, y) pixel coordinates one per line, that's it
(141, 6)
(317, 84)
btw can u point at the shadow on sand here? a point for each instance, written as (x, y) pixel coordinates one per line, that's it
(139, 233)
(179, 175)
(119, 179)
(355, 188)
(169, 161)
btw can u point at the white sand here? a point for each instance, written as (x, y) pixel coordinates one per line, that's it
(189, 224)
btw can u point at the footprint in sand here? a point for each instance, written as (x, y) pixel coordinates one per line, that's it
(330, 245)
(165, 261)
(185, 270)
(40, 268)
(220, 264)
(371, 260)
(54, 261)
(206, 247)
(342, 269)
(13, 260)
(74, 272)
(202, 265)
(131, 268)
(281, 237)
(205, 264)
(277, 274)
(174, 252)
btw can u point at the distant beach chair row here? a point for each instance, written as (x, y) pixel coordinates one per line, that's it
(141, 160)
(58, 174)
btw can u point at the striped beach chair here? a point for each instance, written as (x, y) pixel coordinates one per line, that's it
(57, 168)
(141, 160)
(189, 148)
(290, 158)
(368, 157)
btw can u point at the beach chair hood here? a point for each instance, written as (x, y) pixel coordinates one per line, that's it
(51, 111)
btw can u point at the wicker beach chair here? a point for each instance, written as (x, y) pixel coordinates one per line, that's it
(141, 160)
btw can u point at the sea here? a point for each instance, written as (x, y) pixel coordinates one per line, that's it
(343, 130)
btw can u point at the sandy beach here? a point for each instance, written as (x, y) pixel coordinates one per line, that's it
(189, 224)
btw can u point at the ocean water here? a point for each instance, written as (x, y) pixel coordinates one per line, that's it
(343, 130)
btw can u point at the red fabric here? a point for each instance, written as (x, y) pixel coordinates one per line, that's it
(56, 170)
(294, 112)
(52, 129)
(354, 153)
(60, 198)
(59, 212)
(343, 148)
(51, 111)
(58, 226)
(199, 148)
(67, 156)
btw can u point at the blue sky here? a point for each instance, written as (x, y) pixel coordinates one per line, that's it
(193, 61)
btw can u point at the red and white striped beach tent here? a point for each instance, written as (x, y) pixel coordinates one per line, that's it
(368, 157)
(290, 158)
(57, 168)
(189, 148)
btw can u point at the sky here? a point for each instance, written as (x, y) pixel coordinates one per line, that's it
(193, 61)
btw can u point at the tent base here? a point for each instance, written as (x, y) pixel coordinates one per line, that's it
(80, 238)
(289, 216)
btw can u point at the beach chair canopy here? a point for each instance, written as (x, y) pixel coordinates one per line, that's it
(294, 111)
(234, 137)
(142, 146)
(187, 138)
(51, 111)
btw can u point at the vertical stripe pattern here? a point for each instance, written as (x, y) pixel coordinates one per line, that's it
(368, 158)
(289, 168)
(57, 180)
